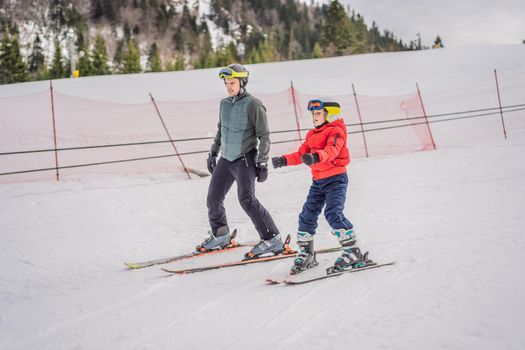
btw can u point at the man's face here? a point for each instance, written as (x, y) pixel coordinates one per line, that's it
(318, 117)
(233, 86)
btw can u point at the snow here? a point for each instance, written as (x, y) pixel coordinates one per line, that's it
(452, 219)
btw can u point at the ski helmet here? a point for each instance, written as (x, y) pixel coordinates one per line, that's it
(332, 109)
(235, 70)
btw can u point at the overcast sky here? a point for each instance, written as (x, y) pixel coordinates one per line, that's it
(457, 22)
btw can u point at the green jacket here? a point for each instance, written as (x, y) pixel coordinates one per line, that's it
(243, 126)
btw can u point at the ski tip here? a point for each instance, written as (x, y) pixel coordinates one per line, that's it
(198, 172)
(177, 272)
(133, 266)
(272, 281)
(234, 234)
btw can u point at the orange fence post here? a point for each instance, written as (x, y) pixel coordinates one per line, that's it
(360, 121)
(500, 109)
(54, 127)
(295, 111)
(425, 114)
(169, 136)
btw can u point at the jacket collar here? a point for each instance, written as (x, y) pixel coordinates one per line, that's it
(336, 123)
(243, 93)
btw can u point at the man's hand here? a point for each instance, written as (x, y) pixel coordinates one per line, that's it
(310, 158)
(261, 172)
(212, 161)
(278, 162)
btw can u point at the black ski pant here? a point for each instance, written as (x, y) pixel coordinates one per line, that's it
(241, 171)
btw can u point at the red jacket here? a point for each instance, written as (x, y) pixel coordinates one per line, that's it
(329, 142)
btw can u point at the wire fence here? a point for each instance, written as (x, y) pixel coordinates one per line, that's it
(78, 123)
(495, 111)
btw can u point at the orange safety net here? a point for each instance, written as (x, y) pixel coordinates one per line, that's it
(104, 138)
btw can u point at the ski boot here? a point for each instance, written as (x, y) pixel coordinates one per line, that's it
(222, 239)
(306, 258)
(351, 257)
(270, 246)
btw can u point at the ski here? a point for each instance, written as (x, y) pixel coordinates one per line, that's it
(302, 279)
(142, 264)
(290, 254)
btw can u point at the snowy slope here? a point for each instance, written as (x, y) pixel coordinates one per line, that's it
(451, 218)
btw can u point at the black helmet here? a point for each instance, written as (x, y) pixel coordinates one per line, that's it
(235, 70)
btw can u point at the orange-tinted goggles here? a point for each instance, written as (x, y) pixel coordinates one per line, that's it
(315, 105)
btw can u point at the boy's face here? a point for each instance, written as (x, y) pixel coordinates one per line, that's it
(233, 86)
(319, 117)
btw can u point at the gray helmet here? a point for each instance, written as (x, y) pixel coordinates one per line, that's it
(235, 70)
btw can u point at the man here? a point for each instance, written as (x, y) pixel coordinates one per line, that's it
(243, 139)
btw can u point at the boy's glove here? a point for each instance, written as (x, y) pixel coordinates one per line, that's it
(310, 158)
(212, 161)
(261, 172)
(278, 162)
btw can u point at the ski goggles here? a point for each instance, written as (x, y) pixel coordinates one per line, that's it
(228, 73)
(315, 105)
(331, 107)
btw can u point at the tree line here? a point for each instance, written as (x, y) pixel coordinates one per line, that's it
(261, 31)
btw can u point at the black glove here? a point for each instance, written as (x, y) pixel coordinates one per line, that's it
(261, 172)
(278, 162)
(310, 158)
(212, 161)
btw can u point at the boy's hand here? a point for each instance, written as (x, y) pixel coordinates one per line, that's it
(310, 158)
(278, 162)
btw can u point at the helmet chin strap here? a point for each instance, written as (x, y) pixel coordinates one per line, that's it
(323, 124)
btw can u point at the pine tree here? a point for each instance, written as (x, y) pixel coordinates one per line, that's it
(176, 64)
(131, 58)
(20, 69)
(361, 42)
(206, 56)
(336, 34)
(36, 59)
(13, 68)
(254, 56)
(375, 38)
(154, 61)
(100, 57)
(84, 65)
(179, 62)
(119, 52)
(438, 43)
(58, 69)
(317, 52)
(223, 57)
(97, 12)
(104, 8)
(268, 51)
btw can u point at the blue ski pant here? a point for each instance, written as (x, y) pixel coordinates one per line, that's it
(331, 194)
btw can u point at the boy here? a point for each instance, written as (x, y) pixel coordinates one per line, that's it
(326, 153)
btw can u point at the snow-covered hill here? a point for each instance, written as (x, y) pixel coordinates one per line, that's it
(452, 219)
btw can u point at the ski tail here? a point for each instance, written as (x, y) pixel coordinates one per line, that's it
(142, 264)
(324, 274)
